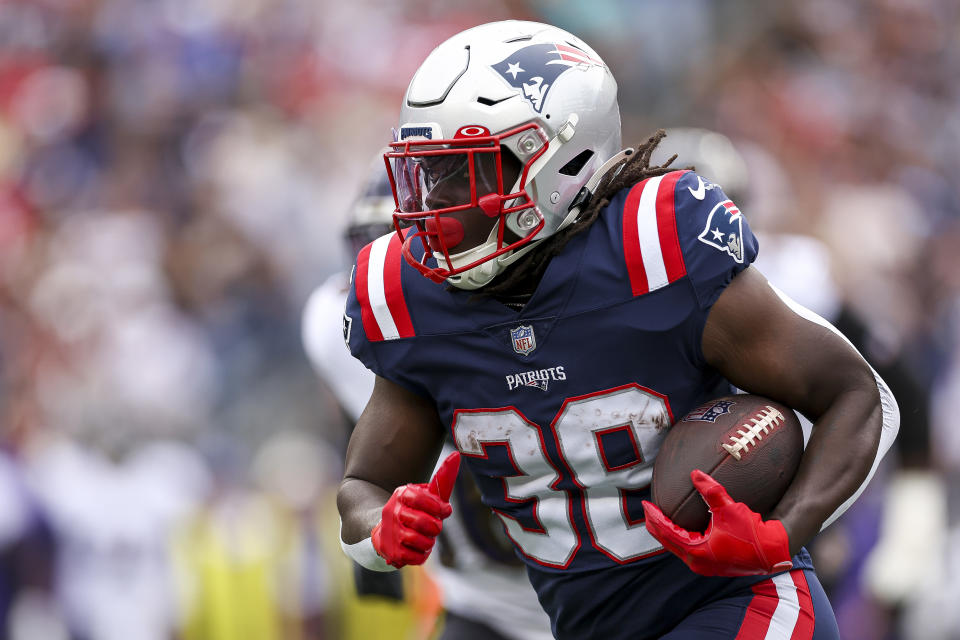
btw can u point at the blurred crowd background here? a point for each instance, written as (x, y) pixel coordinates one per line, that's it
(175, 176)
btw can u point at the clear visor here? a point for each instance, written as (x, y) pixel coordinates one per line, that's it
(445, 178)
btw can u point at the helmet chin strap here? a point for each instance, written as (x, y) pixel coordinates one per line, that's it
(483, 273)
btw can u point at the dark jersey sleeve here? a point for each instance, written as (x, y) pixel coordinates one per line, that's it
(387, 349)
(715, 240)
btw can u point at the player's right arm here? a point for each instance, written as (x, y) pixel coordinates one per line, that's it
(762, 343)
(389, 516)
(383, 497)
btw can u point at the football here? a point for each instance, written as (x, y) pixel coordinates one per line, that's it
(749, 444)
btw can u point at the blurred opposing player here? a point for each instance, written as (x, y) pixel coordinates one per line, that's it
(486, 594)
(322, 328)
(575, 300)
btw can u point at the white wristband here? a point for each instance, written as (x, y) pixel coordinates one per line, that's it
(364, 554)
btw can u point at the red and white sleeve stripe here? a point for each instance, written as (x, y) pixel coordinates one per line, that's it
(650, 242)
(383, 308)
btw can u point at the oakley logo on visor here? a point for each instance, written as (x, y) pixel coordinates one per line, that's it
(472, 131)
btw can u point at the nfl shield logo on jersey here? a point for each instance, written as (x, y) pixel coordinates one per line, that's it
(523, 339)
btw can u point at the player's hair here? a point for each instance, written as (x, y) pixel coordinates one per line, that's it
(522, 276)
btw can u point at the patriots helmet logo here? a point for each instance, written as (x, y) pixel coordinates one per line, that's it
(535, 68)
(724, 230)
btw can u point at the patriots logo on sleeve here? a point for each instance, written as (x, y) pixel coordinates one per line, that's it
(534, 69)
(724, 230)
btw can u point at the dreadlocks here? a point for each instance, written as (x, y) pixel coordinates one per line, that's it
(520, 278)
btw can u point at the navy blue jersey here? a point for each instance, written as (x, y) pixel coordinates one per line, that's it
(559, 409)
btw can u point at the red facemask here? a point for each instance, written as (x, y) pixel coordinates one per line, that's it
(453, 192)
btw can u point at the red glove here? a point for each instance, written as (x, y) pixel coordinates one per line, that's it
(412, 518)
(737, 541)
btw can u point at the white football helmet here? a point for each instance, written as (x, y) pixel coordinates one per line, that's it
(500, 129)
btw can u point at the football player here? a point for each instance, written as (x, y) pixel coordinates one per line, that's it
(486, 595)
(555, 306)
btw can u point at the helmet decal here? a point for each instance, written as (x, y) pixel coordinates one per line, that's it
(471, 131)
(534, 69)
(427, 130)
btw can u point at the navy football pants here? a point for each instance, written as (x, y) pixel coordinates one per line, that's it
(788, 606)
(665, 600)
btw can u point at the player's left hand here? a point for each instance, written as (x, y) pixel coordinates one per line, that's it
(737, 542)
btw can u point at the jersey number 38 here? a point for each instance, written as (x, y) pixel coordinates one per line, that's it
(630, 416)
